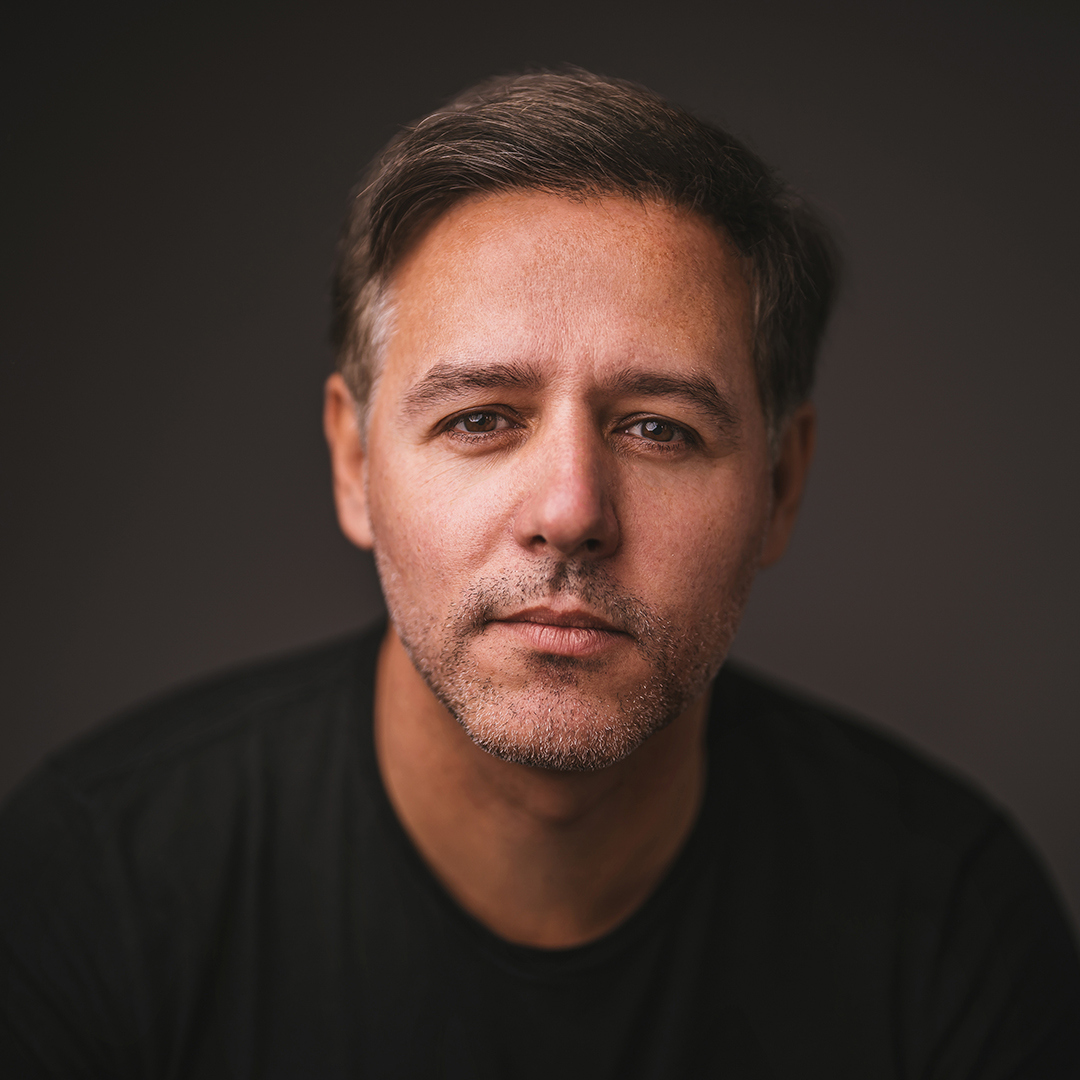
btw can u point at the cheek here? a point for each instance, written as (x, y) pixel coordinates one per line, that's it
(696, 544)
(435, 533)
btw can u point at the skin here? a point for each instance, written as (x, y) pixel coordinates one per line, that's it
(567, 483)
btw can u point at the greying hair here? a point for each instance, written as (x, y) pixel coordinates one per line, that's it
(577, 134)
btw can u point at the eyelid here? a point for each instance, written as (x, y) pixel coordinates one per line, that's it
(502, 412)
(686, 435)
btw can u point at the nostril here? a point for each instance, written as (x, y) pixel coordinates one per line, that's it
(570, 519)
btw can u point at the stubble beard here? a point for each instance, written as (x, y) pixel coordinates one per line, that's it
(553, 721)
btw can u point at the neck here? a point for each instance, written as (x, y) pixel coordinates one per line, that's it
(541, 858)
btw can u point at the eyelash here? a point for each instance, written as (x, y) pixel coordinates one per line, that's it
(683, 439)
(479, 436)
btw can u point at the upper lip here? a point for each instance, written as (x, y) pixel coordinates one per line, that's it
(550, 616)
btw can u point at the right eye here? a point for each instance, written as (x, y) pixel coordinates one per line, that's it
(480, 422)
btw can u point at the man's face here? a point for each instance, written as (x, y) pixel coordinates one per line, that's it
(568, 485)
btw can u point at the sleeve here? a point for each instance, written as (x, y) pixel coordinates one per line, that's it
(66, 995)
(1005, 992)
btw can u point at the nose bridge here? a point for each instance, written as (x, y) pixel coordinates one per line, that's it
(568, 505)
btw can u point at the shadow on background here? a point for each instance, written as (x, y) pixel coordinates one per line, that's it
(178, 174)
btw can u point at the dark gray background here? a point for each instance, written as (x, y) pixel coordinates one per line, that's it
(177, 177)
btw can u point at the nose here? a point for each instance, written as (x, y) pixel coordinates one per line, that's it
(568, 508)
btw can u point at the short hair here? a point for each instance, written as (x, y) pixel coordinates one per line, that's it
(581, 135)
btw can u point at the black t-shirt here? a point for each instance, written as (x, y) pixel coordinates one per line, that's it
(217, 886)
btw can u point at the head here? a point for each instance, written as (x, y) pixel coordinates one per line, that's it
(576, 330)
(577, 134)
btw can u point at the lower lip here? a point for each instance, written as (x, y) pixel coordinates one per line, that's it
(577, 641)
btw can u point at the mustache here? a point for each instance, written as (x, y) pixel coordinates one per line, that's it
(587, 583)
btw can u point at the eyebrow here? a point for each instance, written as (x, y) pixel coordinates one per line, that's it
(696, 390)
(452, 378)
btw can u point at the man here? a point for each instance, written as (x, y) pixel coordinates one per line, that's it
(534, 827)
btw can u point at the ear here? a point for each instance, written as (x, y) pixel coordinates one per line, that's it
(347, 462)
(789, 478)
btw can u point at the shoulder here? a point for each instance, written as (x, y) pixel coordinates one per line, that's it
(843, 760)
(877, 824)
(147, 817)
(276, 702)
(889, 858)
(117, 851)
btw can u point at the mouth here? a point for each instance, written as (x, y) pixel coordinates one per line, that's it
(571, 632)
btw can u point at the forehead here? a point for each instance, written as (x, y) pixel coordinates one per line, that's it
(546, 277)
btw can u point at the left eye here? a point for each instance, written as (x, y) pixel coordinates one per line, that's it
(479, 422)
(657, 431)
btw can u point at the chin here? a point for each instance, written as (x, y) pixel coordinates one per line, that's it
(560, 735)
(558, 723)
